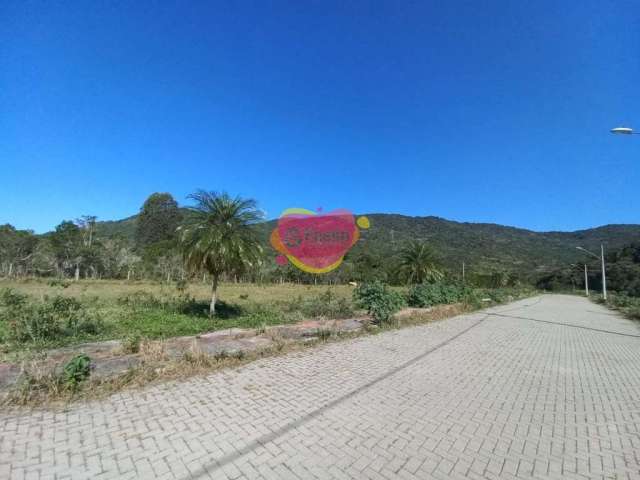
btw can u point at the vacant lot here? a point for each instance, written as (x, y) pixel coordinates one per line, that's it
(38, 314)
(242, 293)
(99, 310)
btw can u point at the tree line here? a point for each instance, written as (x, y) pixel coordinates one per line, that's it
(622, 270)
(157, 250)
(76, 249)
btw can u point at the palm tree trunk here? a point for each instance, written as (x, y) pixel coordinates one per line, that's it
(214, 293)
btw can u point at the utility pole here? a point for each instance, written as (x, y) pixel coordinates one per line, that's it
(604, 275)
(586, 280)
(463, 272)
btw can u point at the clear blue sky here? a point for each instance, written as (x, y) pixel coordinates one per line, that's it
(494, 111)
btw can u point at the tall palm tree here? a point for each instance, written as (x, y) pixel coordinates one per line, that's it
(218, 236)
(418, 263)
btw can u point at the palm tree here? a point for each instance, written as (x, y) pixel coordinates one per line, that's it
(218, 236)
(418, 263)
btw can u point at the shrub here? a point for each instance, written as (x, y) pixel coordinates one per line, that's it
(379, 301)
(26, 322)
(139, 299)
(429, 294)
(11, 298)
(56, 282)
(629, 306)
(76, 371)
(182, 303)
(327, 305)
(261, 318)
(46, 320)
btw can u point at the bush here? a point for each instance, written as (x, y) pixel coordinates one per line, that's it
(46, 320)
(429, 294)
(56, 282)
(629, 306)
(139, 300)
(27, 322)
(182, 303)
(326, 305)
(378, 300)
(10, 298)
(76, 371)
(261, 317)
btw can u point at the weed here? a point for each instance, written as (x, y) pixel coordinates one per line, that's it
(324, 334)
(131, 343)
(327, 305)
(56, 282)
(76, 371)
(50, 319)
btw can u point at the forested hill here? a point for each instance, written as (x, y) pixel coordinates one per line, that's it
(482, 246)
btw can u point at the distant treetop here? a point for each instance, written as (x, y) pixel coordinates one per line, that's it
(158, 220)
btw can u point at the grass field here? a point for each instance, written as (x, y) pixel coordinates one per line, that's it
(120, 310)
(109, 290)
(37, 314)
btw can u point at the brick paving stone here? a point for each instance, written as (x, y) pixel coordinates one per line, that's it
(547, 387)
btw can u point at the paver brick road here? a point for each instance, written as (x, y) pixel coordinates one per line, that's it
(543, 388)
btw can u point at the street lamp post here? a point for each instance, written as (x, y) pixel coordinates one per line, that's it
(601, 258)
(586, 278)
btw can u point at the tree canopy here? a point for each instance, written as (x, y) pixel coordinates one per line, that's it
(158, 220)
(219, 236)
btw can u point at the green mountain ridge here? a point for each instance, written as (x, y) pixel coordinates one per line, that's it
(482, 246)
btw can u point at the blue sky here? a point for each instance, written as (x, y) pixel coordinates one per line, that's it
(494, 111)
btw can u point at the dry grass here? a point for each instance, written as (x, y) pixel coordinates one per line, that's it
(418, 316)
(124, 317)
(240, 293)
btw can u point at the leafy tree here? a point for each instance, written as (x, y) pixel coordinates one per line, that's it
(158, 219)
(67, 246)
(127, 260)
(43, 261)
(219, 236)
(367, 265)
(87, 225)
(418, 263)
(16, 248)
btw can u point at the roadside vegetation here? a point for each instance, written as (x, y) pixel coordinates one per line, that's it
(72, 380)
(31, 320)
(35, 315)
(627, 305)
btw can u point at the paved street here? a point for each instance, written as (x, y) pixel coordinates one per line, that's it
(547, 387)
